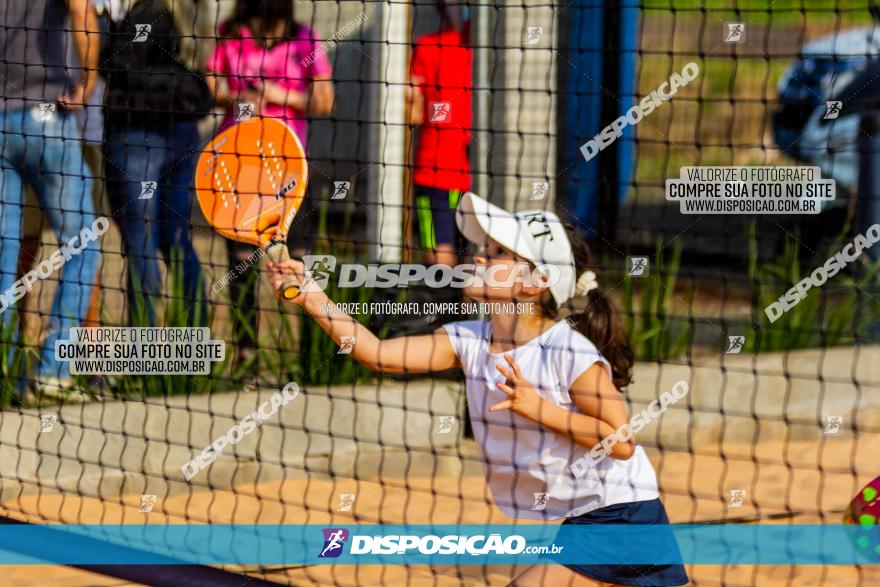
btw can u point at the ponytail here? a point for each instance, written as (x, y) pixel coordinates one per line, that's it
(601, 323)
(597, 317)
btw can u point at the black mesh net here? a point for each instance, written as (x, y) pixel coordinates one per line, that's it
(739, 343)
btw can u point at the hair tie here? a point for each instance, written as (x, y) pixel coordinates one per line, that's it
(585, 283)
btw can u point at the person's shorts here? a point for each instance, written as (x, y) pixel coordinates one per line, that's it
(640, 512)
(435, 216)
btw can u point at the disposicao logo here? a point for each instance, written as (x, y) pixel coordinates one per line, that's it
(334, 540)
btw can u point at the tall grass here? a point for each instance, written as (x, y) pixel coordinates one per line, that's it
(827, 316)
(306, 353)
(182, 309)
(16, 358)
(833, 315)
(318, 358)
(654, 333)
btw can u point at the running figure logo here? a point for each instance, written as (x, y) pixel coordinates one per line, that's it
(340, 190)
(534, 33)
(147, 503)
(833, 424)
(346, 345)
(539, 190)
(735, 32)
(148, 188)
(832, 109)
(445, 424)
(735, 344)
(541, 500)
(47, 422)
(334, 539)
(245, 111)
(737, 496)
(319, 268)
(141, 32)
(440, 111)
(45, 111)
(346, 501)
(638, 266)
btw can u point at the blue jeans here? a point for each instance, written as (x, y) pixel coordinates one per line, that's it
(157, 226)
(48, 157)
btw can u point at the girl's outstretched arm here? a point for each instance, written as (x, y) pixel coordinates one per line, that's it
(407, 354)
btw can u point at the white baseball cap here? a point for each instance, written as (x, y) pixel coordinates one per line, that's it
(534, 235)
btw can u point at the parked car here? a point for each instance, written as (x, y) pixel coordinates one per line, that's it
(825, 72)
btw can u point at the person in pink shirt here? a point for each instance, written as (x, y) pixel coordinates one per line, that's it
(279, 69)
(267, 59)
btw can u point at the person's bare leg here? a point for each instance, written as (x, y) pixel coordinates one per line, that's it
(442, 255)
(555, 575)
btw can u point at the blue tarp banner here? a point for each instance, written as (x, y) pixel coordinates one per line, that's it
(833, 544)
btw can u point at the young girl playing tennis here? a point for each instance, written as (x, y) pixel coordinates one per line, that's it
(542, 391)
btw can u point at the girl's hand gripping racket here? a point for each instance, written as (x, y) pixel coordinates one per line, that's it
(250, 182)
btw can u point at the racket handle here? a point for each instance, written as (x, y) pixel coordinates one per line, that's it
(277, 253)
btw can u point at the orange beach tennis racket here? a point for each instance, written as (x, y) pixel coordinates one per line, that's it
(250, 182)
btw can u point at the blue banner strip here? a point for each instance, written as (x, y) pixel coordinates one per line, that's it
(240, 544)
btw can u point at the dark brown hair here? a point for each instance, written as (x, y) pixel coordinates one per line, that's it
(600, 321)
(267, 12)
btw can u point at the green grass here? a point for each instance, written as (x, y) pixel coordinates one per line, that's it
(763, 11)
(653, 332)
(306, 353)
(827, 316)
(723, 116)
(319, 361)
(715, 120)
(176, 313)
(16, 357)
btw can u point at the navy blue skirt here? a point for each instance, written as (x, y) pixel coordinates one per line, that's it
(639, 512)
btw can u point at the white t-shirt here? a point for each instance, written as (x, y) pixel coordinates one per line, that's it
(527, 465)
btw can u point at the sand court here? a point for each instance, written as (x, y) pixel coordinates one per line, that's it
(694, 487)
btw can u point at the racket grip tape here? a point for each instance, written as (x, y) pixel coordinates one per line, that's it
(277, 253)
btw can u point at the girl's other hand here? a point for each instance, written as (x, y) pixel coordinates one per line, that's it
(522, 397)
